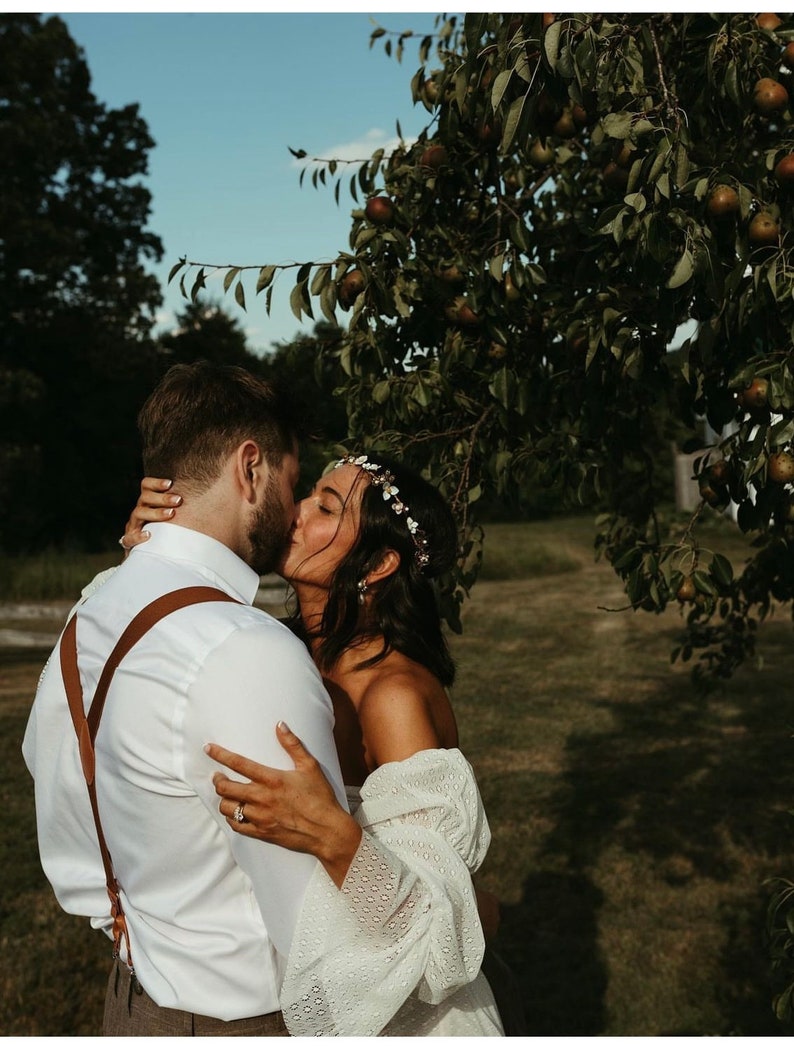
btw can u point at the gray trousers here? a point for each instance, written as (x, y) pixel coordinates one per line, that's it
(130, 1011)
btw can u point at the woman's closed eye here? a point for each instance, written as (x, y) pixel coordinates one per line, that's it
(319, 501)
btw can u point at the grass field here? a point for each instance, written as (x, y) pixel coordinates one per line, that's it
(633, 823)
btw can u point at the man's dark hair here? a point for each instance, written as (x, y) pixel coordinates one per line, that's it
(200, 412)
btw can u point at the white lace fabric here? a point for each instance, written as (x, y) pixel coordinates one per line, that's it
(397, 950)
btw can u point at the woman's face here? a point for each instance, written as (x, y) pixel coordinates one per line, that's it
(325, 528)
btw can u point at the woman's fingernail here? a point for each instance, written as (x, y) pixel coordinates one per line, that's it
(166, 484)
(175, 500)
(282, 726)
(169, 512)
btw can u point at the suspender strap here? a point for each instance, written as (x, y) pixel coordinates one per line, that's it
(86, 725)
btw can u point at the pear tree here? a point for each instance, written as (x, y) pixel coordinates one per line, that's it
(585, 254)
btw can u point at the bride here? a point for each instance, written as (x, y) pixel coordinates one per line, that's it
(390, 940)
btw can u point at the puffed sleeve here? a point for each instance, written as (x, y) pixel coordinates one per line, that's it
(405, 922)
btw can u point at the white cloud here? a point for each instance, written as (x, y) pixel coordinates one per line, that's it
(355, 151)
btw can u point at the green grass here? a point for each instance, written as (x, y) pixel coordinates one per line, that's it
(633, 823)
(514, 552)
(50, 575)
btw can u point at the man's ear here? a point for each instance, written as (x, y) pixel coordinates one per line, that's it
(249, 470)
(388, 564)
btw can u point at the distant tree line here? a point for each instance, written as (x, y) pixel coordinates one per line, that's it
(76, 301)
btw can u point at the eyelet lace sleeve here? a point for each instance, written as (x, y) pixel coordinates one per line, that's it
(398, 949)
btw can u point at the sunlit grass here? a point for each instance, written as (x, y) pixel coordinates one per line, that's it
(518, 552)
(50, 575)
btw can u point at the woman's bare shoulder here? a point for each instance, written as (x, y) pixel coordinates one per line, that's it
(403, 710)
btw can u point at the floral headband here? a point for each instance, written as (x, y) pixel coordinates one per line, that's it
(385, 480)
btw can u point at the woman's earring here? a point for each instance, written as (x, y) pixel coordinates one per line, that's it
(363, 587)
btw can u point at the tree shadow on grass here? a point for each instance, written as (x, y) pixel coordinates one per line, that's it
(559, 973)
(700, 789)
(665, 817)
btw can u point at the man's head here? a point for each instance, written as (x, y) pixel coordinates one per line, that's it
(228, 441)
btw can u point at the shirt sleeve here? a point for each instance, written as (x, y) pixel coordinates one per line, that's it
(256, 677)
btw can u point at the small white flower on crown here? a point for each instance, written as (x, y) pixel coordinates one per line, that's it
(385, 481)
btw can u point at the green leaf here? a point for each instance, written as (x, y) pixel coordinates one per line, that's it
(519, 234)
(176, 268)
(296, 302)
(380, 391)
(500, 87)
(265, 277)
(722, 570)
(703, 583)
(523, 67)
(461, 88)
(305, 299)
(629, 560)
(682, 166)
(502, 387)
(606, 221)
(636, 201)
(197, 285)
(551, 43)
(682, 272)
(496, 267)
(321, 277)
(731, 83)
(781, 433)
(511, 123)
(328, 302)
(617, 126)
(229, 278)
(422, 394)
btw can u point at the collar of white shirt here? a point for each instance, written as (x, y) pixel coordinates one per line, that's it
(179, 544)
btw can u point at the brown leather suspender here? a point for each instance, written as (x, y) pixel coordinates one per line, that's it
(87, 724)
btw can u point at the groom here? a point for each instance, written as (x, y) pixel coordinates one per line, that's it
(209, 913)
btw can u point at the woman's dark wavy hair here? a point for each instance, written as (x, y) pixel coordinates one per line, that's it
(402, 607)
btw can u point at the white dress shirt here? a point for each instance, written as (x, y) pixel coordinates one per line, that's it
(210, 913)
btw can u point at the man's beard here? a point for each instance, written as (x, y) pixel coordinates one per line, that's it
(268, 531)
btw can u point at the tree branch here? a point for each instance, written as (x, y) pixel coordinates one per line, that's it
(672, 109)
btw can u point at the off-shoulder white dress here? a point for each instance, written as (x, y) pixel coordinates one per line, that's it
(397, 950)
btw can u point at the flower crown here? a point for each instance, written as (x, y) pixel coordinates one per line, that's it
(385, 480)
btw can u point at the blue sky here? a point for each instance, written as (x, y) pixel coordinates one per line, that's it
(224, 96)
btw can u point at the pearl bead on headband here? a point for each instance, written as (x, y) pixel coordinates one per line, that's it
(384, 480)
